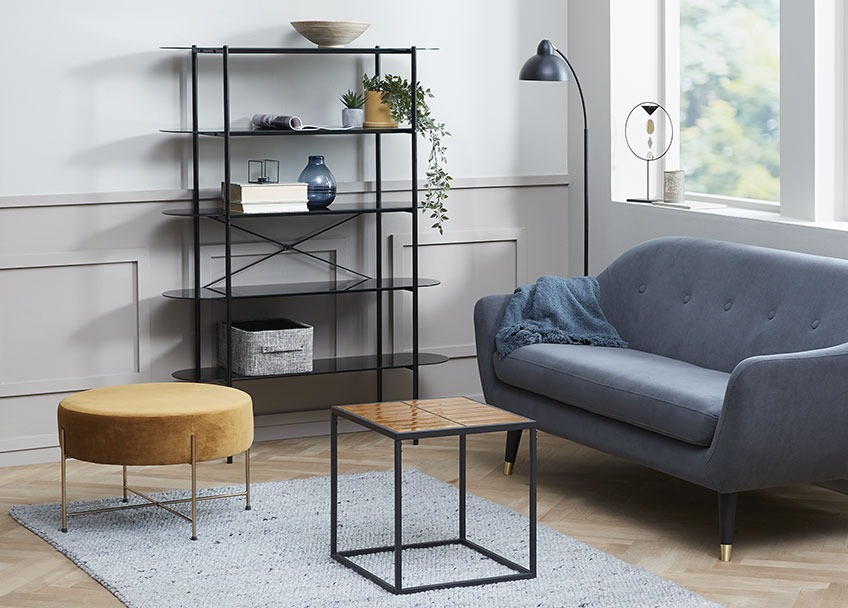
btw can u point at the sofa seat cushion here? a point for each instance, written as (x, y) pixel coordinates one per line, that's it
(670, 397)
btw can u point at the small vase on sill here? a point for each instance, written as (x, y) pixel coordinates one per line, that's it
(320, 183)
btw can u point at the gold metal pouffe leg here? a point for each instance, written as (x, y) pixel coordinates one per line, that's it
(726, 551)
(149, 501)
(64, 527)
(247, 479)
(508, 466)
(193, 488)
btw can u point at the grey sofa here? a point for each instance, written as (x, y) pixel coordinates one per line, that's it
(736, 377)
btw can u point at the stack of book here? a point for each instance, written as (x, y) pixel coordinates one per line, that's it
(267, 198)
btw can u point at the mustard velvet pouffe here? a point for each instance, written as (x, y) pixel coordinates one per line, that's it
(156, 424)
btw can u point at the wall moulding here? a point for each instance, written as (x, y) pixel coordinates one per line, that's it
(82, 316)
(211, 194)
(493, 261)
(100, 198)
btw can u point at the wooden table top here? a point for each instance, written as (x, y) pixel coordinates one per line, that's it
(454, 413)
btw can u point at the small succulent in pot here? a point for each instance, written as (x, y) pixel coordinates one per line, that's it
(353, 100)
(353, 113)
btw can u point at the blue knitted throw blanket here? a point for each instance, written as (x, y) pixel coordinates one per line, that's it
(556, 310)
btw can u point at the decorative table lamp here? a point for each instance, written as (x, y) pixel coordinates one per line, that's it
(649, 133)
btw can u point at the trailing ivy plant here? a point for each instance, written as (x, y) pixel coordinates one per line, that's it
(397, 94)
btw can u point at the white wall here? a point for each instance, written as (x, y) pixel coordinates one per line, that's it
(85, 252)
(87, 87)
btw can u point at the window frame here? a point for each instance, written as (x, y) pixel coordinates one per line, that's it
(812, 144)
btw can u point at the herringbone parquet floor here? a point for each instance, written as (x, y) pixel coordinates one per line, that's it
(791, 546)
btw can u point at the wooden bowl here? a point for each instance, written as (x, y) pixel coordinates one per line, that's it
(330, 33)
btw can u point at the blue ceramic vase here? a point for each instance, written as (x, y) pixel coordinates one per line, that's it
(320, 183)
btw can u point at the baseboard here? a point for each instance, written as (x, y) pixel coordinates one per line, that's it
(273, 427)
(29, 442)
(33, 456)
(39, 449)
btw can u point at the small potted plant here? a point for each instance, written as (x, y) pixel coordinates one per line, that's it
(353, 113)
(388, 102)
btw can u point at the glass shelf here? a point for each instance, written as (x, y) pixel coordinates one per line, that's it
(248, 132)
(333, 209)
(301, 50)
(321, 366)
(302, 289)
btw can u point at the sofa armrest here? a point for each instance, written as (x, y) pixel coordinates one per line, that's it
(488, 314)
(784, 420)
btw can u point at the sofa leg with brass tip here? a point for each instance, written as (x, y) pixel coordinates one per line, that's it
(513, 439)
(726, 523)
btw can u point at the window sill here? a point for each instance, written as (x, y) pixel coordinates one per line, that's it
(759, 214)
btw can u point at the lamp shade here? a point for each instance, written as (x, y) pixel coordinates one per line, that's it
(545, 65)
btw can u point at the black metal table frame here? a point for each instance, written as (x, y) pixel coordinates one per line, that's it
(343, 557)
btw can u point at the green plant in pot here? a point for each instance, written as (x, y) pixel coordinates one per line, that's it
(353, 112)
(396, 93)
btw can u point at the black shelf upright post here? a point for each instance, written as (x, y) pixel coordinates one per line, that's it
(195, 200)
(228, 229)
(414, 146)
(378, 245)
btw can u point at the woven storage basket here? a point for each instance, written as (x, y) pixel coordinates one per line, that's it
(267, 347)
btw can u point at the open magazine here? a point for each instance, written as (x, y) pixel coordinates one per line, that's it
(287, 123)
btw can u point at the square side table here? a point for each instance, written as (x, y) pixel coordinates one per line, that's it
(420, 419)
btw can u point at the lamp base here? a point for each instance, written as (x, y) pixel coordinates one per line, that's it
(643, 200)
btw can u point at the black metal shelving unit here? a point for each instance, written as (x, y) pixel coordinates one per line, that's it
(222, 290)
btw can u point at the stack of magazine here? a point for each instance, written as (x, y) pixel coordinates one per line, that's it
(267, 198)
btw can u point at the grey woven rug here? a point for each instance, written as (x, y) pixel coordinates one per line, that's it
(277, 554)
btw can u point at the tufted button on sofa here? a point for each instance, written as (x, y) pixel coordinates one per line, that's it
(736, 377)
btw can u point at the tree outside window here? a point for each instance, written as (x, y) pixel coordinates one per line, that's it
(730, 97)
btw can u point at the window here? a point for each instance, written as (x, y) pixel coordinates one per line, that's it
(729, 86)
(759, 110)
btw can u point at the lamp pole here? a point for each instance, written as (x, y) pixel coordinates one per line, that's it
(585, 167)
(545, 66)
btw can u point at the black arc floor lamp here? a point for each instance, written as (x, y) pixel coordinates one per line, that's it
(547, 66)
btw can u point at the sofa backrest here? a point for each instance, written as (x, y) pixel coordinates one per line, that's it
(713, 303)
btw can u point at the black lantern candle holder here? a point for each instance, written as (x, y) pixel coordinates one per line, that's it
(265, 171)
